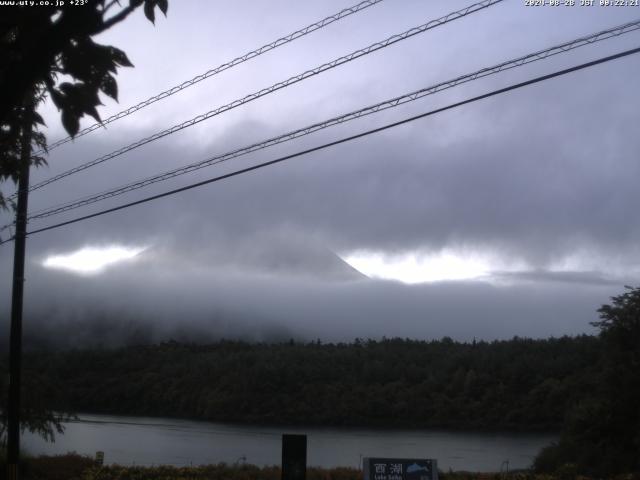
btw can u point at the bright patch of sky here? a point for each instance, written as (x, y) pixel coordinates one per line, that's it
(418, 268)
(452, 265)
(92, 260)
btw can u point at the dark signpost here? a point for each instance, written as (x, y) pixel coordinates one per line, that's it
(400, 469)
(294, 457)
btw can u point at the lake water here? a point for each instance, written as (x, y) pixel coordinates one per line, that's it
(154, 441)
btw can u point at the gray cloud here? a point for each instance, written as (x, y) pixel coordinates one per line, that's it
(162, 298)
(575, 278)
(536, 176)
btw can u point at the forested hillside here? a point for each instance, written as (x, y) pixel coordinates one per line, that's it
(520, 383)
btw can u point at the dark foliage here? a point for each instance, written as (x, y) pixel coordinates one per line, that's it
(49, 50)
(58, 467)
(601, 436)
(37, 393)
(520, 383)
(38, 46)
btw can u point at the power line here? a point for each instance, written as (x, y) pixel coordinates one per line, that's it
(342, 140)
(278, 86)
(391, 103)
(221, 68)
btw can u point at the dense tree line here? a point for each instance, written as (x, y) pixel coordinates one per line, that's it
(520, 383)
(601, 435)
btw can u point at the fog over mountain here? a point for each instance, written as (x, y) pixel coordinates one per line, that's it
(160, 296)
(538, 185)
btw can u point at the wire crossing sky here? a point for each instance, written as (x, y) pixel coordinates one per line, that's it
(344, 140)
(509, 216)
(221, 68)
(458, 14)
(390, 103)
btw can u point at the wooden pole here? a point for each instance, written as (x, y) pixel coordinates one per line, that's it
(15, 340)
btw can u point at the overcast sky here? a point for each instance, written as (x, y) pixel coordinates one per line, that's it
(537, 186)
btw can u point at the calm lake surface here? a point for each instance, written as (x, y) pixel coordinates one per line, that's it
(154, 441)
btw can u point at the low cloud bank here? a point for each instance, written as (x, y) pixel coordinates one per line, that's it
(158, 298)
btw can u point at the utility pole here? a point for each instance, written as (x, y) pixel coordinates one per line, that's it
(15, 340)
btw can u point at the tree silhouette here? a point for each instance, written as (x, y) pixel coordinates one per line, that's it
(601, 435)
(41, 49)
(49, 51)
(620, 331)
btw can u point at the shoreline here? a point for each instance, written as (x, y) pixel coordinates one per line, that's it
(444, 428)
(154, 440)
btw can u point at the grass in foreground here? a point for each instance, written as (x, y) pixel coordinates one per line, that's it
(77, 467)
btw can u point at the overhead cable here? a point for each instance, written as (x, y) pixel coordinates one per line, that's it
(277, 86)
(340, 141)
(221, 68)
(390, 103)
